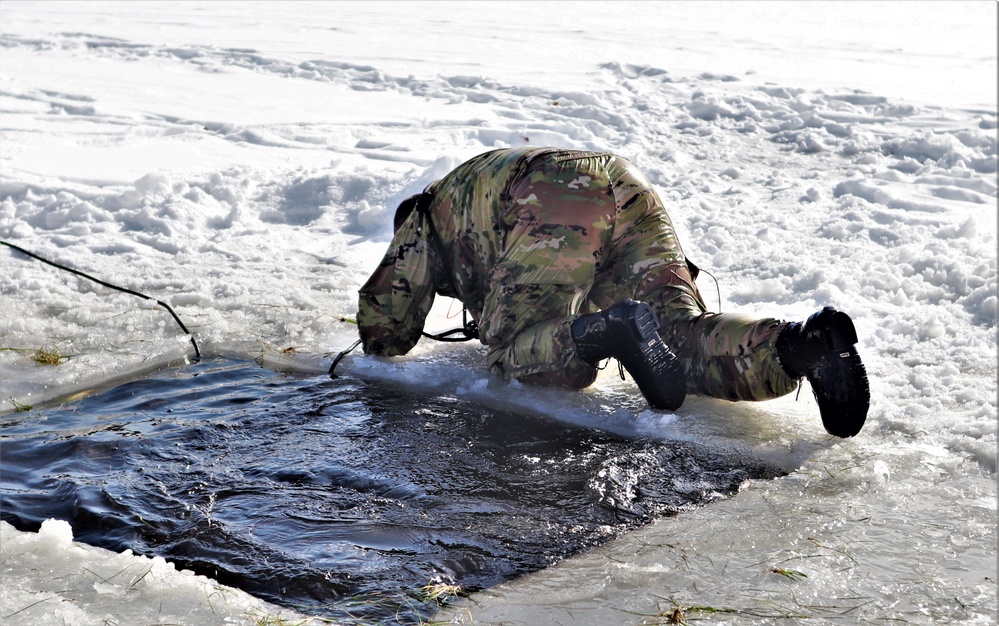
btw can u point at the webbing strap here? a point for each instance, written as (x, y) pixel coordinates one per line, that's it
(469, 330)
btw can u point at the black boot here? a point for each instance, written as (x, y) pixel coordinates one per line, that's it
(628, 332)
(822, 350)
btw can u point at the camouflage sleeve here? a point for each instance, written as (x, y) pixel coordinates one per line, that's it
(394, 303)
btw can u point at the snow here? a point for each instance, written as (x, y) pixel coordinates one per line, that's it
(241, 162)
(49, 579)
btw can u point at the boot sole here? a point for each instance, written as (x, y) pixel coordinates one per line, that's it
(656, 370)
(842, 391)
(840, 384)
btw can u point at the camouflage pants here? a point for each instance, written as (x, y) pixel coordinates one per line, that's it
(584, 231)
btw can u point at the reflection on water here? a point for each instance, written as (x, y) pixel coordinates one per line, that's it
(339, 497)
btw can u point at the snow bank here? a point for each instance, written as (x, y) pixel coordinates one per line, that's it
(49, 579)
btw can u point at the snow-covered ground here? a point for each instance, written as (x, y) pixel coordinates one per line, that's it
(241, 161)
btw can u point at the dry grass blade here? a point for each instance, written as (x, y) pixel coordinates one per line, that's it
(47, 357)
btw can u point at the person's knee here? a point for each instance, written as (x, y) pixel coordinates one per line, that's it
(671, 291)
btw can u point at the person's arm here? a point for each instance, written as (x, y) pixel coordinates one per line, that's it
(394, 303)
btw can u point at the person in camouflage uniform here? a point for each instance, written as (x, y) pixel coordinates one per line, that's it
(533, 240)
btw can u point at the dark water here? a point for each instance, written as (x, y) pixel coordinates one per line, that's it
(339, 498)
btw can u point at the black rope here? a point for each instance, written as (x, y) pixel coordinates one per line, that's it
(340, 356)
(717, 288)
(166, 306)
(469, 331)
(695, 271)
(447, 335)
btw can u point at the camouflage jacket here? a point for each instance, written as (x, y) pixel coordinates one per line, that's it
(466, 213)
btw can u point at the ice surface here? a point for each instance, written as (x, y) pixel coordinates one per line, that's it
(241, 162)
(50, 579)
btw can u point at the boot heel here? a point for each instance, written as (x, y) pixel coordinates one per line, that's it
(645, 323)
(840, 332)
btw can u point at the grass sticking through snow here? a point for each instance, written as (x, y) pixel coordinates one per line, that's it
(20, 407)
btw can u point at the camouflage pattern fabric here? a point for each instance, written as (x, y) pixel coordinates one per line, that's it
(533, 237)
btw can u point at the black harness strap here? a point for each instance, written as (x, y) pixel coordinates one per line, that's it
(469, 330)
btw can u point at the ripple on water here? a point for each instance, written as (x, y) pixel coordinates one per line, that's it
(337, 496)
